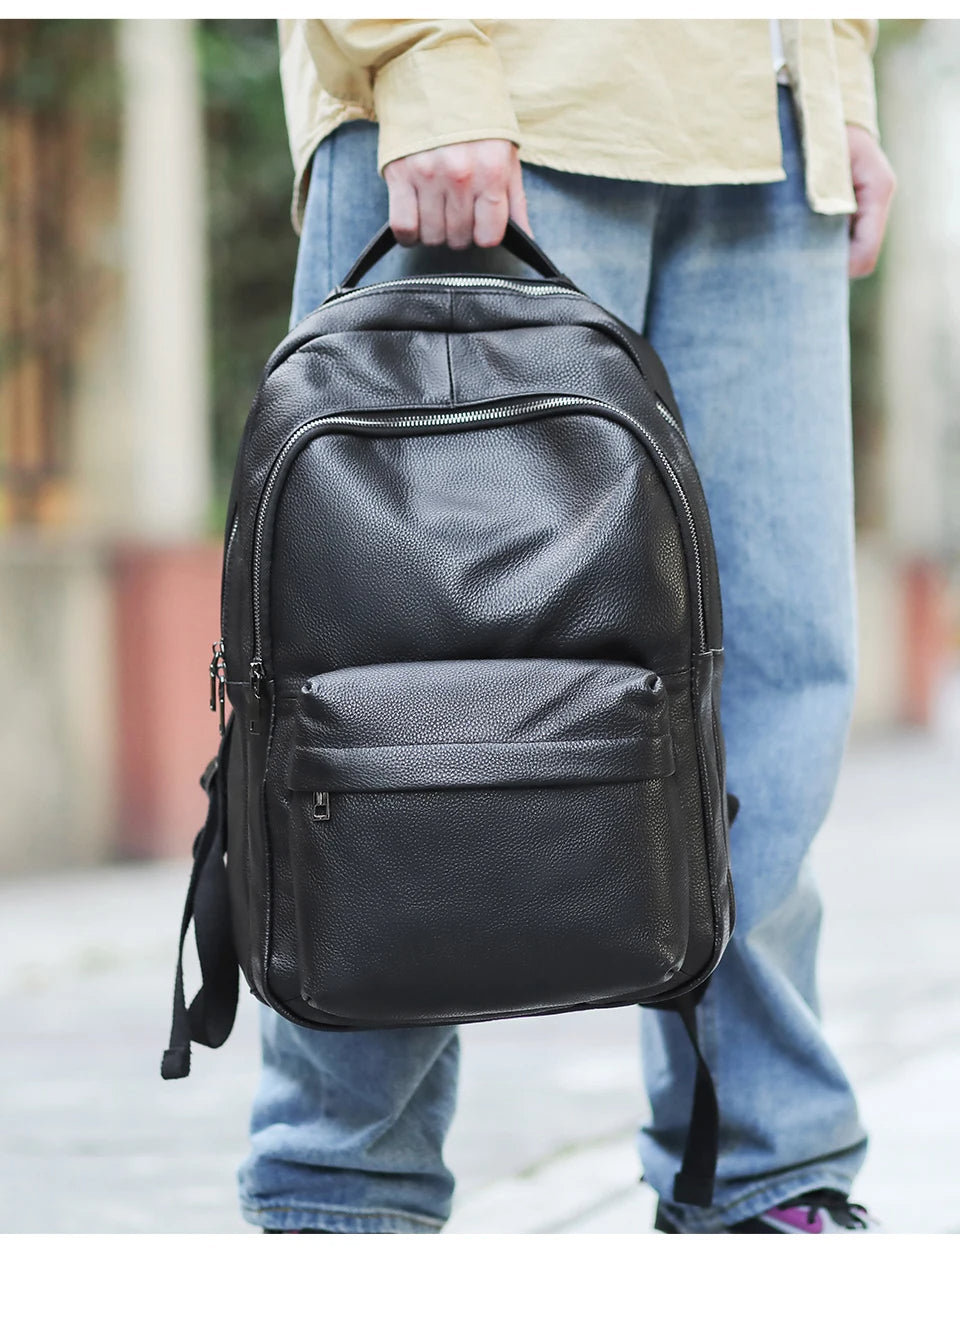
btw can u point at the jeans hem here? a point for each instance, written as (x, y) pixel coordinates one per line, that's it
(329, 1218)
(756, 1201)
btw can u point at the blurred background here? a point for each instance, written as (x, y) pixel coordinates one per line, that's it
(146, 261)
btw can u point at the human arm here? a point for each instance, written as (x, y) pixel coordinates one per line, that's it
(448, 133)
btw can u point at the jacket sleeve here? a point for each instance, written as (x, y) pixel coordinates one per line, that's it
(432, 81)
(855, 40)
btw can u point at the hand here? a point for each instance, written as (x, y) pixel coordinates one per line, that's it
(874, 184)
(457, 195)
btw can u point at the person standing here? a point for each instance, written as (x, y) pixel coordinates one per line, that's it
(715, 185)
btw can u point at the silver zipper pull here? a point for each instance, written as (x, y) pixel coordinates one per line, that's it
(217, 652)
(321, 806)
(218, 690)
(256, 691)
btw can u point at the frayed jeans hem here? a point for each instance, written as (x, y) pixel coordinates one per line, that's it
(328, 1218)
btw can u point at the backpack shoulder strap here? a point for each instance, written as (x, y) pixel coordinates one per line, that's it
(209, 1018)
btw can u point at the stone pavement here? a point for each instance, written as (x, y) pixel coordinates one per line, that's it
(92, 1141)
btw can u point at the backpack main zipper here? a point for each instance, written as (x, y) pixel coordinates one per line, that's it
(218, 665)
(460, 417)
(533, 290)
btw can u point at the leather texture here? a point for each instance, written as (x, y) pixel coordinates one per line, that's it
(479, 723)
(471, 605)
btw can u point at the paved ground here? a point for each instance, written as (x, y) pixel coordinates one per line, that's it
(92, 1141)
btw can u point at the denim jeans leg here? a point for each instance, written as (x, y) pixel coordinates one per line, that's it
(348, 1127)
(748, 308)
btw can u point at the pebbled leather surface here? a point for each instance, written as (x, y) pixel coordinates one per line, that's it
(557, 540)
(365, 365)
(529, 539)
(566, 921)
(569, 865)
(479, 723)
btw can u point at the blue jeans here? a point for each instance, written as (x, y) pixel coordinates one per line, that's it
(743, 291)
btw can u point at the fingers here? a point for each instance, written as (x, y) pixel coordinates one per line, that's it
(874, 184)
(491, 209)
(866, 234)
(458, 200)
(457, 195)
(433, 223)
(490, 215)
(404, 209)
(518, 201)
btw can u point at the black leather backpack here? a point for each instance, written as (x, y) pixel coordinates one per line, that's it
(471, 638)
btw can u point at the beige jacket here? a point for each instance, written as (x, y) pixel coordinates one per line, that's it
(670, 101)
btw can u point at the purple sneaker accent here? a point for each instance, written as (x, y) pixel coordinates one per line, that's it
(795, 1220)
(815, 1213)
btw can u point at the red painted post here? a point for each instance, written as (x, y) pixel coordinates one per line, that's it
(167, 607)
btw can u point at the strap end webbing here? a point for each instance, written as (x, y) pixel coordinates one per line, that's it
(694, 1183)
(692, 1190)
(209, 1018)
(176, 1063)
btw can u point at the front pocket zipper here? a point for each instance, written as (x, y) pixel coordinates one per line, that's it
(459, 417)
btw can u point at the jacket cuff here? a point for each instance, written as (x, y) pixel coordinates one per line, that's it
(854, 41)
(433, 97)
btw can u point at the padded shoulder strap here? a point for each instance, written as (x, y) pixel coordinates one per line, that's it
(209, 1018)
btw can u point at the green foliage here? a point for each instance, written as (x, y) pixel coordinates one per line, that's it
(252, 247)
(59, 148)
(51, 63)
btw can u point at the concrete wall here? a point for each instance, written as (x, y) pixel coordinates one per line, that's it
(58, 728)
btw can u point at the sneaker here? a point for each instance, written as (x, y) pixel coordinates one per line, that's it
(813, 1213)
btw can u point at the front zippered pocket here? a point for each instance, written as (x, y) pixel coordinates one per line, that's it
(468, 838)
(401, 424)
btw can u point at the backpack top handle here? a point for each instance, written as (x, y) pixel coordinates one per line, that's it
(515, 240)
